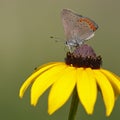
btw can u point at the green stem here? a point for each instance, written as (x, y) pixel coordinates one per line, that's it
(74, 105)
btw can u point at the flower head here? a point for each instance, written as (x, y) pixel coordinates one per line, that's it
(82, 70)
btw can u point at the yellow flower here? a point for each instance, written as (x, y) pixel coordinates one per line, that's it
(86, 76)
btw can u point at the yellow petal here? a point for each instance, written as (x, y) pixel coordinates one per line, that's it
(107, 91)
(114, 80)
(47, 65)
(87, 89)
(40, 70)
(62, 89)
(44, 81)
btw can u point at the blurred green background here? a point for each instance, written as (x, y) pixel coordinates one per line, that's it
(25, 30)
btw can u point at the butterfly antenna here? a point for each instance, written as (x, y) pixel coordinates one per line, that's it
(57, 39)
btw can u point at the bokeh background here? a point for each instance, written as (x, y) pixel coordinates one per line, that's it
(25, 30)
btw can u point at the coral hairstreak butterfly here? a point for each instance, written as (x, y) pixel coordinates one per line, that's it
(77, 28)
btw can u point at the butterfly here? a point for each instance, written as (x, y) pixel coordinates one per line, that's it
(77, 28)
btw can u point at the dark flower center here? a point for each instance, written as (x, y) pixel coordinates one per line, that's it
(83, 56)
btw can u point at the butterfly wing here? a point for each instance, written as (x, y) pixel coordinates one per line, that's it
(77, 28)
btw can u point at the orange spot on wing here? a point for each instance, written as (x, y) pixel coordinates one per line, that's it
(80, 20)
(91, 24)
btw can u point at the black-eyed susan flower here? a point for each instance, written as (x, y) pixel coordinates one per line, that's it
(81, 72)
